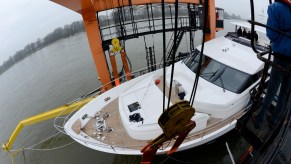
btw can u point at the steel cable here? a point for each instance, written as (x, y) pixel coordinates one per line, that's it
(164, 53)
(174, 54)
(195, 85)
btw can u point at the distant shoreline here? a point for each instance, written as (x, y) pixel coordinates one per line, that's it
(66, 32)
(59, 33)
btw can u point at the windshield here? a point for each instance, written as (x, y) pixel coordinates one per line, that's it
(192, 61)
(219, 74)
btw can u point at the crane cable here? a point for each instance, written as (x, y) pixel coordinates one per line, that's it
(175, 49)
(164, 53)
(195, 85)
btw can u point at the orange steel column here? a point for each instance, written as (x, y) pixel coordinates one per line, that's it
(125, 65)
(114, 69)
(212, 20)
(93, 35)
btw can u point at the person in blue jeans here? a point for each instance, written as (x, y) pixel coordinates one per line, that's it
(279, 18)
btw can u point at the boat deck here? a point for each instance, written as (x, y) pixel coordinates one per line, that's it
(119, 137)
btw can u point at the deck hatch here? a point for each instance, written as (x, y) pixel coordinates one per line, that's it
(133, 107)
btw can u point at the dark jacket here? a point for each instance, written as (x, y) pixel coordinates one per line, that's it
(239, 32)
(280, 18)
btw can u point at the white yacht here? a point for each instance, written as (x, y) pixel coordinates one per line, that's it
(124, 119)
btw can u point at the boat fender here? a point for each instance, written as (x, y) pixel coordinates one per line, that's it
(135, 118)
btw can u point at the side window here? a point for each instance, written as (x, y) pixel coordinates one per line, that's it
(192, 61)
(252, 80)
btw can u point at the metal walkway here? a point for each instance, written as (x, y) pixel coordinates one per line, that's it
(271, 145)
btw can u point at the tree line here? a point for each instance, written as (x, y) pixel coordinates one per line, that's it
(232, 16)
(139, 12)
(143, 12)
(78, 26)
(104, 20)
(57, 34)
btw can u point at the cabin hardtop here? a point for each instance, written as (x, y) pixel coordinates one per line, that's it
(233, 54)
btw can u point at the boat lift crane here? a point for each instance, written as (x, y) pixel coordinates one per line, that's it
(89, 10)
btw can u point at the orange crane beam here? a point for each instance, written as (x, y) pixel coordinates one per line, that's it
(93, 34)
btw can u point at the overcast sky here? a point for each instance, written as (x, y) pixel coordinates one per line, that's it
(23, 21)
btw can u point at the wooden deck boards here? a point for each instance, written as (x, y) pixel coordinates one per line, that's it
(118, 137)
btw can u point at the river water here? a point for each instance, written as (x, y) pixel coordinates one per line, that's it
(64, 71)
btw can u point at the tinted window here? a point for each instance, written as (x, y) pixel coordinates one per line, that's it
(225, 77)
(232, 80)
(192, 61)
(219, 74)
